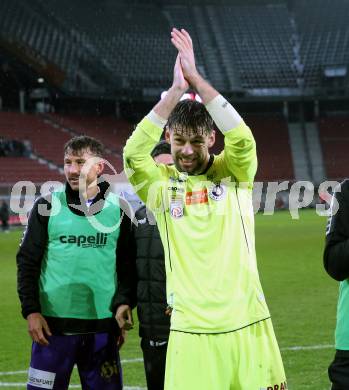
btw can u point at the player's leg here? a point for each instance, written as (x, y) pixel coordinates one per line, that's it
(98, 362)
(51, 366)
(338, 371)
(154, 356)
(198, 362)
(258, 359)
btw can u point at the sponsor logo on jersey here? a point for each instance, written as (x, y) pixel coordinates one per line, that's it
(176, 189)
(97, 241)
(176, 210)
(281, 386)
(217, 192)
(196, 197)
(41, 379)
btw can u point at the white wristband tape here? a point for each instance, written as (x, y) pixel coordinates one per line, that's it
(157, 119)
(223, 113)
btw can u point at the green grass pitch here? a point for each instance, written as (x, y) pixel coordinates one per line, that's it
(300, 295)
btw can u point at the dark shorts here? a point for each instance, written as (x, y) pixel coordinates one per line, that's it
(338, 371)
(96, 356)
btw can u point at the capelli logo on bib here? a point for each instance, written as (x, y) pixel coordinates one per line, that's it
(97, 241)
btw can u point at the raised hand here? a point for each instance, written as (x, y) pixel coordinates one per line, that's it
(179, 82)
(183, 43)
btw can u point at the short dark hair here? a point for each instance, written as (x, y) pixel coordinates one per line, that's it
(162, 147)
(84, 142)
(190, 115)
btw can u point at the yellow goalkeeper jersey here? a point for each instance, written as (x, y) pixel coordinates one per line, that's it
(206, 223)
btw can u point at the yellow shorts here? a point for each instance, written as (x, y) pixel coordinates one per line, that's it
(247, 359)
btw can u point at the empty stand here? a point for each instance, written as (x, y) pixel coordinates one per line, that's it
(334, 138)
(14, 169)
(324, 33)
(105, 47)
(131, 41)
(46, 141)
(111, 132)
(273, 148)
(257, 39)
(28, 32)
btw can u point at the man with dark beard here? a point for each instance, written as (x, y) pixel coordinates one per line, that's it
(221, 333)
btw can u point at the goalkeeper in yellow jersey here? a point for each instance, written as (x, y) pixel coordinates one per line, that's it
(221, 334)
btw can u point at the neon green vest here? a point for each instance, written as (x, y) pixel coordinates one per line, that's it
(78, 273)
(342, 328)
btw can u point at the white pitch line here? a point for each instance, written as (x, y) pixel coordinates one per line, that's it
(14, 372)
(12, 384)
(124, 361)
(132, 360)
(308, 347)
(134, 388)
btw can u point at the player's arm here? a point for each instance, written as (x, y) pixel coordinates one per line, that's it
(239, 154)
(336, 253)
(140, 168)
(127, 278)
(29, 257)
(143, 170)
